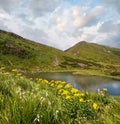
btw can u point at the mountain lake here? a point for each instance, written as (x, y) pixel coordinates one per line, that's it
(82, 82)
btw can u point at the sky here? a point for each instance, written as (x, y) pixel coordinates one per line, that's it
(63, 23)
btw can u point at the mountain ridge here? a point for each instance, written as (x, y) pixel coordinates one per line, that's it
(95, 52)
(18, 52)
(24, 54)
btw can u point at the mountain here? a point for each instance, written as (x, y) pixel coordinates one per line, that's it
(29, 56)
(95, 52)
(18, 52)
(107, 59)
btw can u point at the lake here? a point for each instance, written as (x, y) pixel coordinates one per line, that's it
(82, 82)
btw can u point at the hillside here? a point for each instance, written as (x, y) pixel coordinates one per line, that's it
(29, 56)
(95, 52)
(107, 58)
(18, 52)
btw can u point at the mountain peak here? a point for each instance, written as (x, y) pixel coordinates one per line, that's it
(82, 42)
(95, 52)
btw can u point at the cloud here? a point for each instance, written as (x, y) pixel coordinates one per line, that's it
(10, 23)
(39, 35)
(87, 18)
(62, 23)
(113, 4)
(110, 27)
(41, 7)
(9, 5)
(2, 26)
(111, 31)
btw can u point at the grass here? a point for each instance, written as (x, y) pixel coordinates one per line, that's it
(105, 59)
(96, 53)
(31, 57)
(27, 101)
(18, 52)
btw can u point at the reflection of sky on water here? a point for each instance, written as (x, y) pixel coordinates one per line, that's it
(88, 83)
(113, 88)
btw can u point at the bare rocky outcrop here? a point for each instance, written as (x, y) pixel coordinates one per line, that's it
(55, 61)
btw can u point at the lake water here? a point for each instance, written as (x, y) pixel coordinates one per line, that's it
(87, 83)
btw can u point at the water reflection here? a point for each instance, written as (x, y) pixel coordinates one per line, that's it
(88, 83)
(113, 88)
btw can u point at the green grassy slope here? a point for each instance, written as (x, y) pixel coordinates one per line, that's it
(107, 58)
(95, 52)
(16, 51)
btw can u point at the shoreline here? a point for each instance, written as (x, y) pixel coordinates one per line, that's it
(81, 72)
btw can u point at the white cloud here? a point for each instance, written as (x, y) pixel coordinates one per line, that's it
(110, 27)
(112, 4)
(41, 7)
(9, 5)
(11, 23)
(87, 19)
(62, 23)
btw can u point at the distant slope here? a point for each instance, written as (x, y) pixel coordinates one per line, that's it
(96, 53)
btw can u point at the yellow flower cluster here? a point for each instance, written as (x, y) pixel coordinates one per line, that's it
(68, 92)
(68, 97)
(64, 89)
(67, 86)
(95, 105)
(14, 70)
(73, 90)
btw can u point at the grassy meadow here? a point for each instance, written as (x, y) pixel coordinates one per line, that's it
(28, 101)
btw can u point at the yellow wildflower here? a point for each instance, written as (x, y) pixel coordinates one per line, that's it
(59, 86)
(63, 82)
(65, 92)
(76, 95)
(95, 105)
(40, 79)
(73, 90)
(67, 97)
(81, 100)
(6, 73)
(89, 100)
(46, 81)
(61, 90)
(57, 82)
(67, 86)
(19, 74)
(14, 70)
(82, 94)
(52, 85)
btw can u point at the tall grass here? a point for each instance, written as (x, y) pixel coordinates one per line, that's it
(23, 101)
